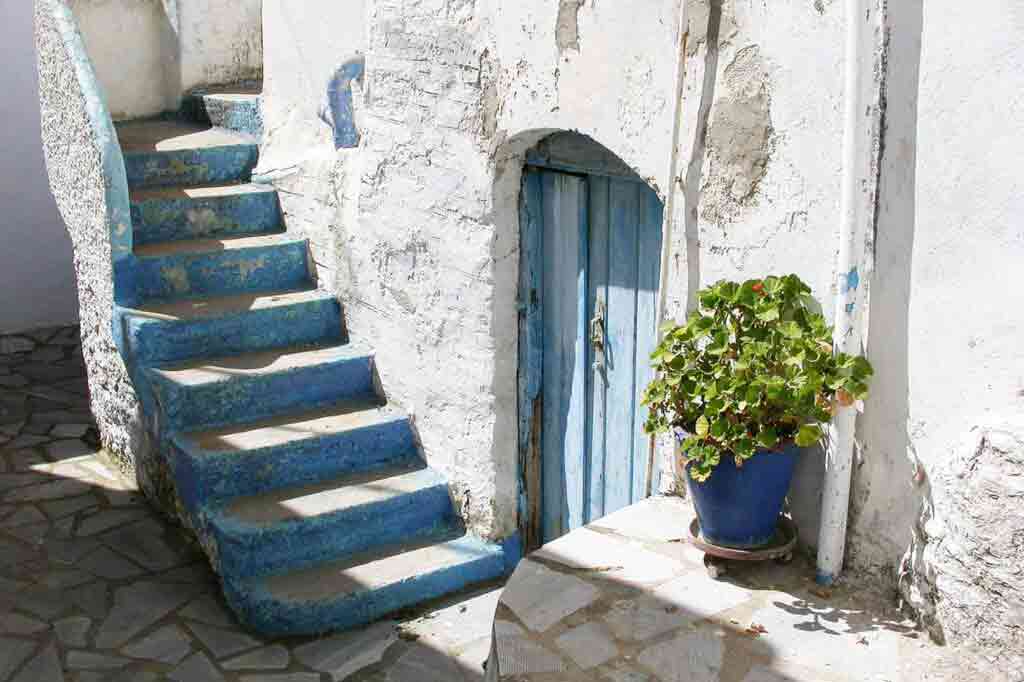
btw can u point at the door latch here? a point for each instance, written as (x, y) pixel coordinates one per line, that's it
(597, 334)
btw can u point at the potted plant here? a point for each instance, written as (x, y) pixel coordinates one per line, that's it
(746, 382)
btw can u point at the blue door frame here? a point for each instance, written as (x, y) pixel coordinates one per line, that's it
(590, 243)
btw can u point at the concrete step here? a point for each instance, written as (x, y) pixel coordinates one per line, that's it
(160, 333)
(298, 527)
(342, 594)
(220, 267)
(205, 393)
(165, 152)
(235, 107)
(167, 214)
(355, 435)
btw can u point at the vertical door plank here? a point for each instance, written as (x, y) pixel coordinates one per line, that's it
(597, 290)
(621, 356)
(564, 383)
(531, 355)
(649, 230)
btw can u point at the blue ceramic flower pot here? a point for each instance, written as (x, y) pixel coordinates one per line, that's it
(739, 507)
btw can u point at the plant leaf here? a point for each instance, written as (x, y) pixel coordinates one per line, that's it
(808, 435)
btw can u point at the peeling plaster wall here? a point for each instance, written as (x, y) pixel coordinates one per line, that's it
(147, 53)
(456, 91)
(760, 161)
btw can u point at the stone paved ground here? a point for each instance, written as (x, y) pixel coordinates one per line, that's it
(95, 586)
(627, 599)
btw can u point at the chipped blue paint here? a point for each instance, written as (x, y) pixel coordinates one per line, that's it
(851, 281)
(850, 307)
(166, 216)
(339, 98)
(257, 269)
(191, 167)
(212, 476)
(257, 606)
(234, 397)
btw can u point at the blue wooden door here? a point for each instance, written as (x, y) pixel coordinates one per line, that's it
(600, 255)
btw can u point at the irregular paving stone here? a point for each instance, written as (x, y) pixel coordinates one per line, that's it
(27, 442)
(105, 520)
(13, 553)
(10, 482)
(695, 656)
(105, 563)
(72, 631)
(68, 551)
(589, 645)
(25, 460)
(699, 597)
(209, 610)
(13, 381)
(644, 617)
(222, 643)
(69, 430)
(541, 597)
(611, 557)
(196, 668)
(93, 599)
(62, 578)
(167, 645)
(285, 677)
(18, 624)
(12, 653)
(24, 515)
(58, 509)
(67, 449)
(16, 344)
(138, 606)
(268, 658)
(48, 491)
(189, 575)
(142, 542)
(47, 604)
(50, 372)
(344, 654)
(516, 654)
(90, 660)
(45, 667)
(32, 533)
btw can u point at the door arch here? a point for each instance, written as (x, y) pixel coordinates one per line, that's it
(591, 232)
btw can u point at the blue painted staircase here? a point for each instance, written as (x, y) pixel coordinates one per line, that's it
(306, 489)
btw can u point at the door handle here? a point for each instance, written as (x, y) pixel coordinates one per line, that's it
(597, 334)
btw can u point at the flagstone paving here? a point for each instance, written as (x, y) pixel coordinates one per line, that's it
(628, 599)
(95, 586)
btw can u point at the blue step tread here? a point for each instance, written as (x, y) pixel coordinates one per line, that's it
(165, 214)
(168, 152)
(357, 590)
(354, 435)
(219, 267)
(227, 325)
(208, 392)
(304, 525)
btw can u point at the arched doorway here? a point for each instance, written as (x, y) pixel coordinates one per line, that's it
(591, 232)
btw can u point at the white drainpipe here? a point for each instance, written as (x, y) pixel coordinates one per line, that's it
(859, 181)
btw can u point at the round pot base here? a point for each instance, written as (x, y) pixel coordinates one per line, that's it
(780, 549)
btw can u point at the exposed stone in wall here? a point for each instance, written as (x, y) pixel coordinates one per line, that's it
(740, 138)
(699, 19)
(77, 181)
(567, 28)
(964, 569)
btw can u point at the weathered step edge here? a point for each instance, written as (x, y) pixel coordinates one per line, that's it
(245, 549)
(212, 477)
(258, 608)
(174, 214)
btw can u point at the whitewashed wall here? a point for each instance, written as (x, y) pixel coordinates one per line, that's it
(420, 230)
(147, 53)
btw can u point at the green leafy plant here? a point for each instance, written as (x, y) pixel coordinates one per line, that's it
(753, 368)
